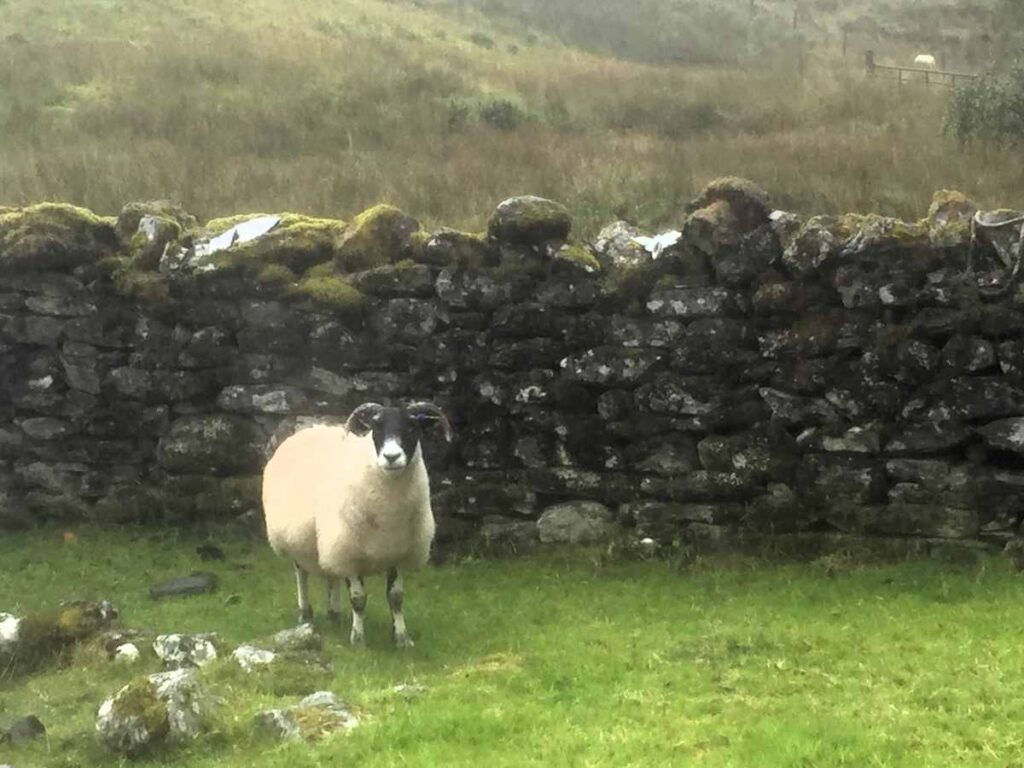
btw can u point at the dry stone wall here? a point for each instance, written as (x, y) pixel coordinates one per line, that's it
(751, 380)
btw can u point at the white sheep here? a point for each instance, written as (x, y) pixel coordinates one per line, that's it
(351, 501)
(925, 60)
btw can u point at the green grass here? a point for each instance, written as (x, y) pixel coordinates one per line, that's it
(445, 108)
(563, 660)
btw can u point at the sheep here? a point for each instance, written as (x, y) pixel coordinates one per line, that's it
(351, 501)
(925, 60)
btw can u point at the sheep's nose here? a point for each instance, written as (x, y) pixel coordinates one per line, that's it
(391, 458)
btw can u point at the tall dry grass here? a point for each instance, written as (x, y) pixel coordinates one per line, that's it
(329, 107)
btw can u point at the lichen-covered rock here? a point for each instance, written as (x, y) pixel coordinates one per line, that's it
(149, 711)
(53, 236)
(463, 289)
(261, 398)
(529, 220)
(318, 715)
(793, 409)
(703, 486)
(249, 657)
(690, 303)
(1005, 434)
(575, 522)
(183, 651)
(617, 245)
(217, 445)
(949, 219)
(610, 366)
(286, 240)
(768, 453)
(301, 638)
(379, 235)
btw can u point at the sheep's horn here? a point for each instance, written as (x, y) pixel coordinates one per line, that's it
(360, 421)
(430, 411)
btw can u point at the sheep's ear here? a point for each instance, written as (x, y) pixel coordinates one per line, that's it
(361, 419)
(430, 412)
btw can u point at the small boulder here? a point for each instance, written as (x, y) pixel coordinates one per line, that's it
(576, 522)
(126, 653)
(317, 715)
(529, 220)
(249, 657)
(301, 638)
(165, 707)
(749, 205)
(182, 651)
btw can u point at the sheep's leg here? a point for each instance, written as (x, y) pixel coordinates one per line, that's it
(333, 601)
(395, 595)
(302, 582)
(357, 597)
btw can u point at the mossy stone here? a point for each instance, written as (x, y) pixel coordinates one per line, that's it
(151, 288)
(138, 701)
(750, 204)
(53, 237)
(529, 220)
(132, 214)
(153, 235)
(379, 235)
(332, 292)
(579, 256)
(461, 249)
(296, 242)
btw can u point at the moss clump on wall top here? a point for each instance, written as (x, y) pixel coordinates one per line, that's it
(379, 235)
(53, 236)
(296, 242)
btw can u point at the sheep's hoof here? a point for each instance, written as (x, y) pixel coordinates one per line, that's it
(404, 641)
(306, 616)
(334, 618)
(357, 639)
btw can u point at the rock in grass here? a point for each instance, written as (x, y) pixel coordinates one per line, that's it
(24, 730)
(178, 651)
(249, 657)
(165, 707)
(317, 715)
(301, 638)
(196, 584)
(529, 220)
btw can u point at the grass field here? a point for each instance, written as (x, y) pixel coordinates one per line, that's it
(562, 660)
(444, 108)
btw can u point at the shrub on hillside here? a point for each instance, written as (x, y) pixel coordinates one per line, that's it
(990, 108)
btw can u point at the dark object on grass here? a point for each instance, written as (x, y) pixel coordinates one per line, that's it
(25, 730)
(196, 584)
(209, 552)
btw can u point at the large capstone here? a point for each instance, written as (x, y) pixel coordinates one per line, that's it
(529, 220)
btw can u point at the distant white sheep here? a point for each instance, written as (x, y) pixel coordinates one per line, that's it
(925, 60)
(351, 501)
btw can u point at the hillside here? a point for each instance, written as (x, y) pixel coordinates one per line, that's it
(445, 107)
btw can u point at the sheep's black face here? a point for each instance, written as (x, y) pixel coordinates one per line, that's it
(396, 431)
(396, 437)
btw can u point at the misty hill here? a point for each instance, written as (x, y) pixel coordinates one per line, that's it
(445, 107)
